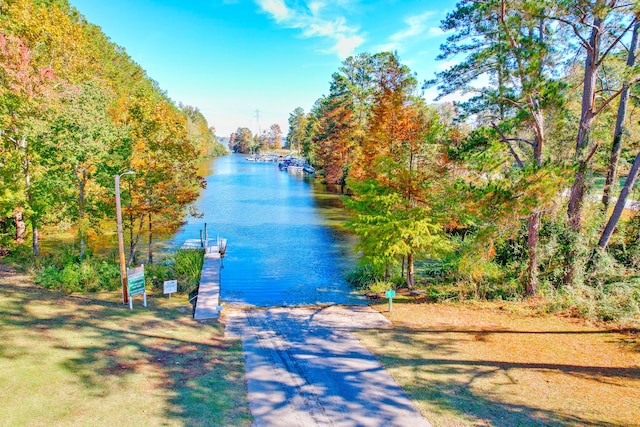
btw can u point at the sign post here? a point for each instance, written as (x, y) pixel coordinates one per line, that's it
(136, 284)
(390, 294)
(170, 286)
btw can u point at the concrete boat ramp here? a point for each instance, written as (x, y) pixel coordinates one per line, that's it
(304, 367)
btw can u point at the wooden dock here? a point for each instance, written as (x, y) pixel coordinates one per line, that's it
(208, 301)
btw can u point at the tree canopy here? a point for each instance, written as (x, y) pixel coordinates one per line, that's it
(74, 111)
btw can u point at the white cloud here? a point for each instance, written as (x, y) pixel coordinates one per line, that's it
(435, 32)
(416, 26)
(316, 6)
(276, 8)
(316, 20)
(346, 45)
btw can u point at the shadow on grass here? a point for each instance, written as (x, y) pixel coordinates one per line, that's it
(106, 346)
(449, 383)
(490, 411)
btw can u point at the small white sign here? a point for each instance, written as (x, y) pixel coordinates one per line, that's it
(170, 286)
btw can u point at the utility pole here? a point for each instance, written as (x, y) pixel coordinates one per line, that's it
(123, 267)
(258, 120)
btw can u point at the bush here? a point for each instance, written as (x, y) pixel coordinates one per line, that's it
(188, 267)
(21, 257)
(108, 275)
(49, 277)
(88, 275)
(362, 276)
(156, 274)
(381, 286)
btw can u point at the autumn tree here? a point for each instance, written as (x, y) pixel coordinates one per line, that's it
(274, 137)
(241, 141)
(25, 92)
(331, 145)
(398, 173)
(297, 129)
(395, 209)
(77, 147)
(200, 134)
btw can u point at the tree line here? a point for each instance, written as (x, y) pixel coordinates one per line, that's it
(75, 110)
(244, 141)
(509, 188)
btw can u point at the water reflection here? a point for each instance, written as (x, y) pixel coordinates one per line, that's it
(283, 247)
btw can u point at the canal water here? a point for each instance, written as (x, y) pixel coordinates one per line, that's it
(282, 245)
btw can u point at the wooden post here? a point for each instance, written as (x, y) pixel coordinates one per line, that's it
(123, 267)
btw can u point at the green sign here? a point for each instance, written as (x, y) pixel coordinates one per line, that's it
(390, 294)
(135, 278)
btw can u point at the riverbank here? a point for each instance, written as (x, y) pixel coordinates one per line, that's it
(83, 359)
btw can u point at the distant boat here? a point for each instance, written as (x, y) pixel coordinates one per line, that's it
(295, 168)
(308, 168)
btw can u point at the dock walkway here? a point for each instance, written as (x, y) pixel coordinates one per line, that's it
(208, 302)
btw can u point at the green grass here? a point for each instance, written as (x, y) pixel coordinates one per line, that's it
(88, 360)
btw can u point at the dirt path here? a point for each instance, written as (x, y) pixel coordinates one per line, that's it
(305, 368)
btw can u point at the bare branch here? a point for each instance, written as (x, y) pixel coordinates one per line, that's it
(521, 140)
(616, 94)
(575, 29)
(615, 42)
(511, 150)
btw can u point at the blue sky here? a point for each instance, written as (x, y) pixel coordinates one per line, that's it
(230, 58)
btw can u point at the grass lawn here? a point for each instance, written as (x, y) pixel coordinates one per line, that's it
(488, 365)
(88, 360)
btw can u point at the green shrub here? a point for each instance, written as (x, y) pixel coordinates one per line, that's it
(49, 277)
(156, 274)
(362, 276)
(108, 275)
(188, 267)
(381, 286)
(70, 278)
(22, 258)
(88, 275)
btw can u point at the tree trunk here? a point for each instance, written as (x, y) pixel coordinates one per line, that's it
(411, 276)
(534, 219)
(617, 211)
(133, 242)
(150, 240)
(575, 206)
(35, 242)
(616, 147)
(21, 227)
(587, 115)
(577, 197)
(81, 177)
(532, 245)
